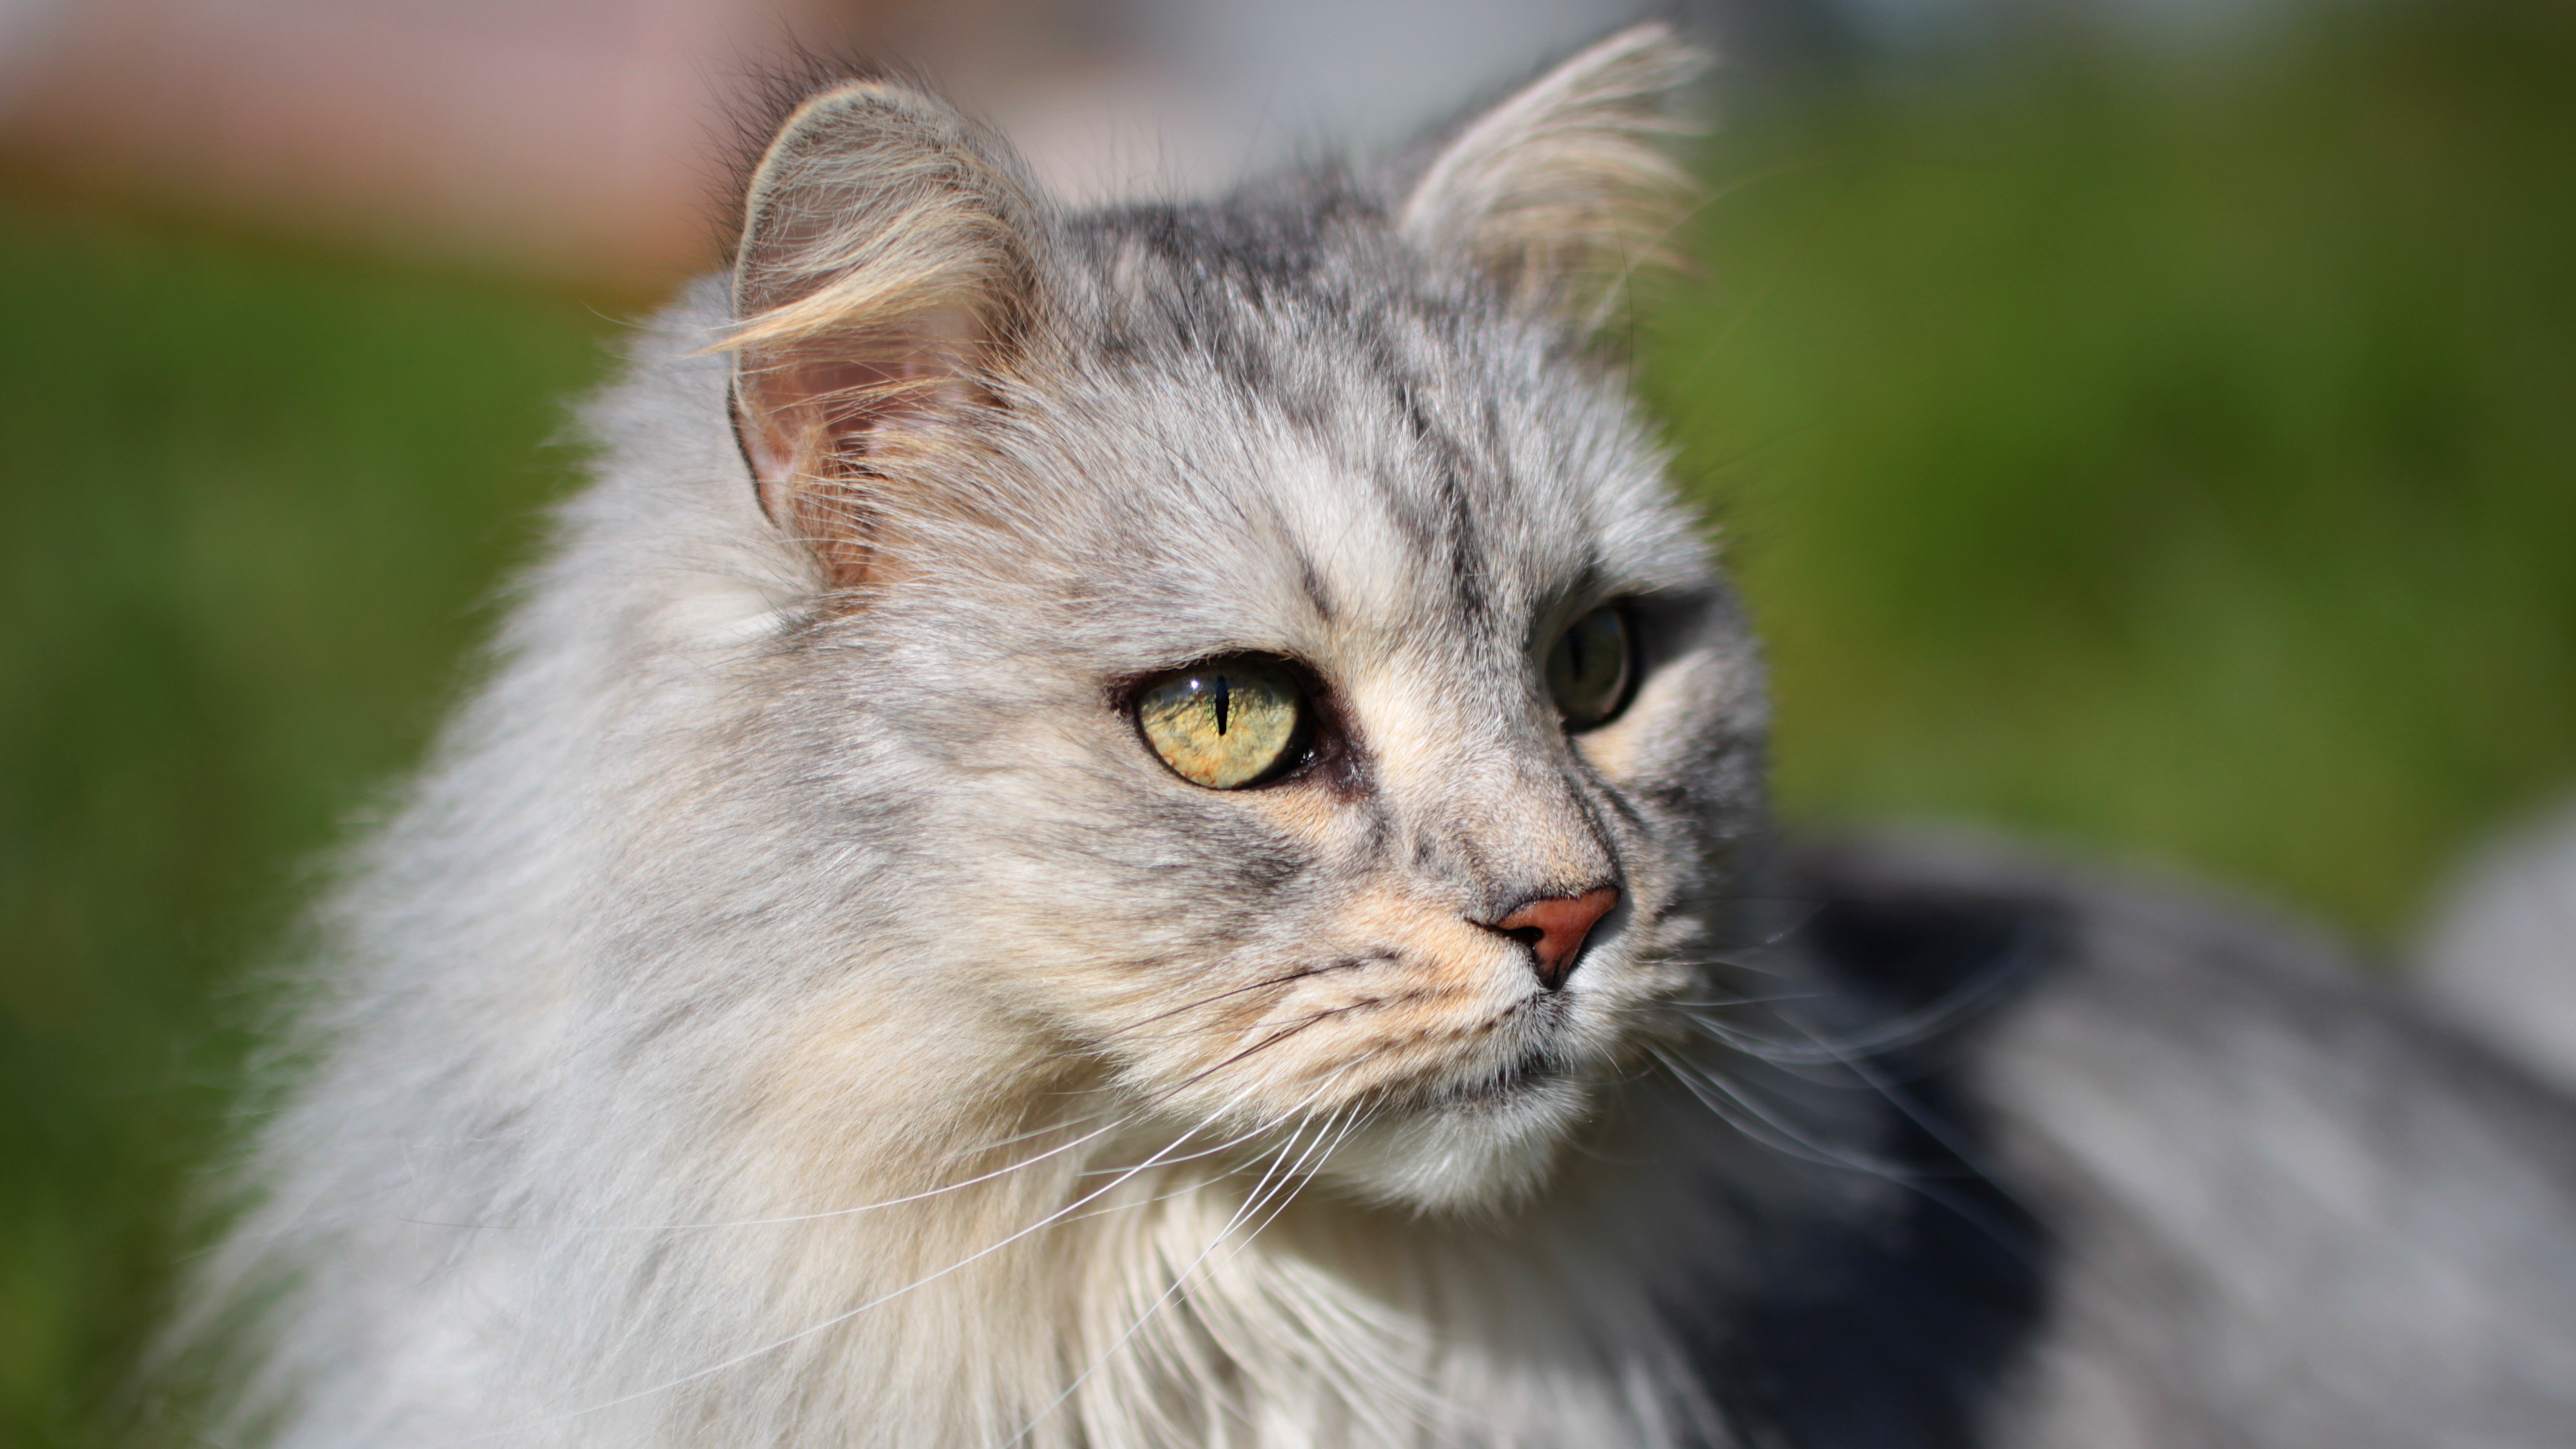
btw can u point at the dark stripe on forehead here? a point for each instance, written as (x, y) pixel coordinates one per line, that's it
(1310, 580)
(1410, 402)
(1464, 576)
(1451, 537)
(1275, 294)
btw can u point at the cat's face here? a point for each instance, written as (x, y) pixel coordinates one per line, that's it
(1315, 711)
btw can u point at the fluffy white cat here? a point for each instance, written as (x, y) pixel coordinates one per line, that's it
(1143, 828)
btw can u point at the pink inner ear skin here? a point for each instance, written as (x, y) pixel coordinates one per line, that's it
(808, 411)
(807, 422)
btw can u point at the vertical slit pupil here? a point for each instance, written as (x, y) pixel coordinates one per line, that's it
(1220, 704)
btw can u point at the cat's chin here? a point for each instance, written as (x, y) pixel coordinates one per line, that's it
(1469, 1151)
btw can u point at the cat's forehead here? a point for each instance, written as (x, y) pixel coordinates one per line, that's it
(1308, 427)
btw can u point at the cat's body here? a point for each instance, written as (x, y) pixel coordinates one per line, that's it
(798, 1007)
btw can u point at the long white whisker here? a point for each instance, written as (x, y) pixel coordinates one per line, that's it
(1252, 1202)
(1786, 1138)
(845, 1316)
(1895, 1034)
(1969, 1157)
(922, 1196)
(927, 1193)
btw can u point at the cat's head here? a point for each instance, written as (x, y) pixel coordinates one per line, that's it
(1254, 641)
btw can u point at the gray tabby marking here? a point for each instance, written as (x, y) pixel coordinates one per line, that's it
(803, 1002)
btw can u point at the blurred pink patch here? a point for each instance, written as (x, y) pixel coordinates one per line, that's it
(574, 139)
(586, 142)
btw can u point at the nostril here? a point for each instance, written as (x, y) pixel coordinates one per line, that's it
(1555, 927)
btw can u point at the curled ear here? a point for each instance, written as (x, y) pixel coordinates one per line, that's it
(884, 277)
(1564, 190)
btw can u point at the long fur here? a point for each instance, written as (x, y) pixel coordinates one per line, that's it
(794, 1007)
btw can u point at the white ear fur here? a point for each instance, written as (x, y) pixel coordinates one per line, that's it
(1564, 190)
(883, 275)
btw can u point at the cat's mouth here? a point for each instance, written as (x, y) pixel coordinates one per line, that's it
(1524, 1053)
(1533, 1068)
(1471, 1140)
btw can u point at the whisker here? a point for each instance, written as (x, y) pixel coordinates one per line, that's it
(1274, 1040)
(922, 1196)
(1281, 980)
(1000, 1172)
(1178, 1280)
(1236, 1141)
(1290, 1184)
(1895, 1034)
(1966, 1153)
(843, 1317)
(1789, 1140)
(1053, 1218)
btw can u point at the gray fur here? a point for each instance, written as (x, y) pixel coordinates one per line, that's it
(2500, 955)
(716, 1047)
(2287, 1207)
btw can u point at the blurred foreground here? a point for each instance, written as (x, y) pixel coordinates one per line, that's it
(2180, 467)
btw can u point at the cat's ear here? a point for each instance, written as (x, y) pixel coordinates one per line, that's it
(1568, 188)
(883, 283)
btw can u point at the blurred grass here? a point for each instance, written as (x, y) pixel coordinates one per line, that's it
(248, 506)
(2182, 468)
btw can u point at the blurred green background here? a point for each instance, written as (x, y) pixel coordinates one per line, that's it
(2177, 461)
(2179, 464)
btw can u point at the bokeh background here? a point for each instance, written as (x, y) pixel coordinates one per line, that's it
(2144, 425)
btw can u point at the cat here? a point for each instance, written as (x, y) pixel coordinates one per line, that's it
(1145, 827)
(2500, 954)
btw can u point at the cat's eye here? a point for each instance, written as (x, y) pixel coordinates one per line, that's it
(1588, 669)
(1227, 723)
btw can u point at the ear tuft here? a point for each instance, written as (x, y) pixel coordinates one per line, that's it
(1564, 190)
(883, 278)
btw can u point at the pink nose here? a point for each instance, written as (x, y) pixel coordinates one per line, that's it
(1554, 929)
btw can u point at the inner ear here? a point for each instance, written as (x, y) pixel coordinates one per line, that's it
(827, 411)
(885, 280)
(1567, 188)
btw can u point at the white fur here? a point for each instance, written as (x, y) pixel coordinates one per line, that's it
(2501, 953)
(793, 1008)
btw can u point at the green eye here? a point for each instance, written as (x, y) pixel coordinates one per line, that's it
(1587, 671)
(1224, 724)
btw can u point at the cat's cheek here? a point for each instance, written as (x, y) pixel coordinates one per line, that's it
(1639, 746)
(1665, 726)
(1311, 811)
(1390, 997)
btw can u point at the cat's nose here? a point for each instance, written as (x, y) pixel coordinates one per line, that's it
(1554, 929)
